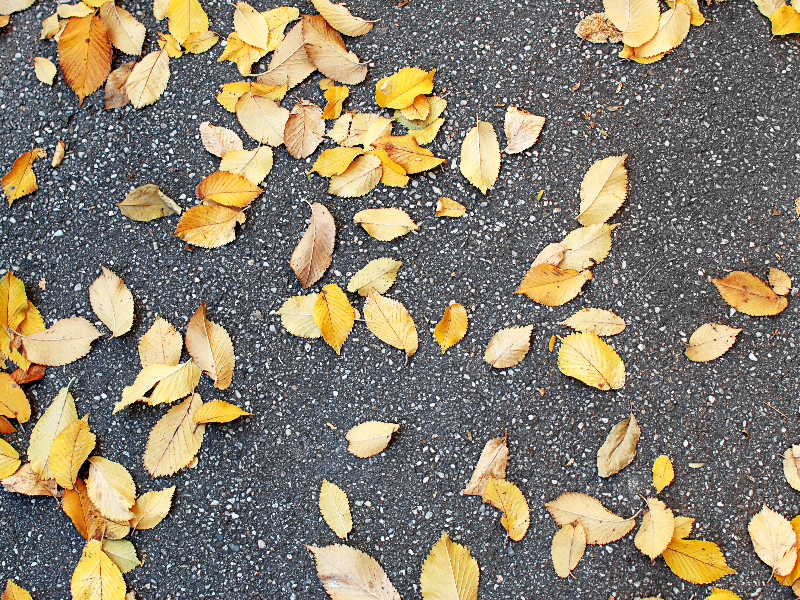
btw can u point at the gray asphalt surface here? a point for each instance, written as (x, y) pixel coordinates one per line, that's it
(714, 148)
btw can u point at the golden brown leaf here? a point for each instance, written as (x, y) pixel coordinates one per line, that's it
(619, 449)
(597, 28)
(304, 129)
(522, 129)
(663, 473)
(349, 573)
(780, 281)
(211, 348)
(326, 50)
(335, 95)
(748, 294)
(146, 203)
(335, 509)
(297, 316)
(69, 451)
(151, 508)
(218, 411)
(175, 439)
(602, 526)
(507, 497)
(124, 31)
(200, 41)
(219, 140)
(358, 179)
(552, 286)
(21, 180)
(161, 345)
(65, 342)
(209, 226)
(710, 341)
(569, 544)
(418, 110)
(370, 438)
(392, 174)
(84, 52)
(491, 465)
(508, 346)
(589, 359)
(25, 481)
(231, 92)
(390, 322)
(312, 256)
(5, 424)
(385, 224)
(380, 274)
(58, 154)
(334, 315)
(290, 63)
(603, 190)
(655, 532)
(406, 152)
(115, 94)
(452, 328)
(447, 207)
(13, 402)
(262, 118)
(449, 572)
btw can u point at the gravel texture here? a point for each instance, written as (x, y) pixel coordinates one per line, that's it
(714, 149)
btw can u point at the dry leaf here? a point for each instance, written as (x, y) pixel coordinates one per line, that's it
(392, 174)
(148, 79)
(370, 438)
(161, 345)
(31, 323)
(173, 48)
(84, 52)
(33, 373)
(673, 28)
(655, 532)
(596, 28)
(406, 152)
(209, 226)
(418, 110)
(326, 50)
(175, 439)
(15, 592)
(122, 553)
(449, 572)
(447, 207)
(589, 359)
(251, 27)
(11, 6)
(718, 594)
(480, 156)
(58, 154)
(491, 465)
(636, 19)
(437, 104)
(290, 63)
(748, 294)
(428, 134)
(507, 497)
(552, 286)
(277, 19)
(508, 346)
(390, 322)
(112, 302)
(231, 92)
(781, 282)
(21, 180)
(111, 489)
(65, 342)
(13, 402)
(791, 578)
(146, 203)
(348, 573)
(619, 449)
(385, 224)
(26, 482)
(313, 254)
(683, 528)
(335, 509)
(304, 130)
(297, 316)
(399, 90)
(50, 26)
(87, 518)
(79, 9)
(335, 95)
(211, 348)
(45, 70)
(334, 315)
(379, 274)
(710, 341)
(200, 41)
(151, 508)
(115, 94)
(595, 320)
(96, 576)
(774, 541)
(603, 190)
(569, 544)
(586, 246)
(7, 427)
(663, 473)
(340, 18)
(522, 129)
(768, 7)
(452, 328)
(218, 411)
(696, 561)
(791, 466)
(253, 165)
(262, 118)
(602, 526)
(229, 189)
(59, 415)
(9, 459)
(172, 382)
(335, 161)
(124, 31)
(785, 21)
(186, 17)
(69, 451)
(219, 140)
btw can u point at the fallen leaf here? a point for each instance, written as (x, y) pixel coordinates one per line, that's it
(696, 561)
(209, 226)
(231, 92)
(449, 572)
(335, 95)
(112, 302)
(683, 528)
(13, 301)
(312, 256)
(785, 21)
(211, 348)
(334, 315)
(569, 544)
(349, 573)
(335, 161)
(69, 450)
(791, 466)
(392, 174)
(79, 9)
(603, 190)
(122, 553)
(781, 282)
(201, 41)
(710, 341)
(390, 322)
(262, 118)
(326, 50)
(438, 106)
(250, 25)
(370, 438)
(9, 459)
(58, 154)
(25, 481)
(15, 592)
(304, 130)
(335, 509)
(147, 203)
(748, 294)
(229, 189)
(655, 532)
(598, 29)
(148, 79)
(508, 346)
(21, 180)
(418, 110)
(253, 165)
(406, 152)
(290, 63)
(385, 224)
(151, 508)
(791, 578)
(379, 274)
(297, 316)
(161, 345)
(774, 540)
(111, 489)
(45, 70)
(84, 52)
(95, 525)
(586, 246)
(5, 19)
(595, 320)
(172, 382)
(170, 44)
(447, 207)
(507, 497)
(673, 28)
(96, 575)
(589, 359)
(218, 411)
(340, 18)
(11, 6)
(551, 286)
(219, 140)
(718, 594)
(663, 473)
(115, 94)
(186, 17)
(552, 254)
(6, 427)
(428, 134)
(452, 328)
(277, 19)
(636, 19)
(175, 440)
(619, 449)
(602, 526)
(522, 129)
(399, 90)
(13, 402)
(767, 7)
(124, 31)
(65, 342)
(31, 323)
(491, 465)
(480, 156)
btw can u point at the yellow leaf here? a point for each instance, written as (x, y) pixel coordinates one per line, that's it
(696, 561)
(79, 9)
(304, 129)
(603, 190)
(774, 541)
(380, 274)
(87, 519)
(655, 532)
(174, 441)
(21, 180)
(392, 174)
(522, 129)
(595, 320)
(791, 466)
(211, 348)
(385, 224)
(340, 18)
(335, 509)
(748, 294)
(673, 28)
(209, 226)
(122, 553)
(13, 402)
(683, 528)
(146, 203)
(65, 342)
(334, 315)
(96, 576)
(160, 8)
(780, 281)
(45, 70)
(50, 26)
(112, 302)
(437, 104)
(69, 451)
(186, 17)
(768, 7)
(219, 140)
(602, 526)
(111, 489)
(619, 448)
(58, 154)
(326, 50)
(114, 94)
(297, 316)
(589, 359)
(335, 95)
(351, 129)
(148, 79)
(313, 254)
(15, 592)
(718, 594)
(370, 438)
(290, 63)
(84, 52)
(390, 322)
(480, 156)
(428, 134)
(710, 341)
(13, 301)
(663, 473)
(694, 6)
(228, 189)
(418, 110)
(253, 165)
(124, 31)
(262, 118)
(161, 345)
(636, 19)
(231, 92)
(785, 21)
(452, 328)
(172, 382)
(406, 152)
(59, 415)
(586, 246)
(151, 508)
(552, 286)
(508, 347)
(794, 574)
(491, 465)
(277, 19)
(449, 572)
(569, 544)
(399, 90)
(447, 207)
(507, 497)
(218, 411)
(250, 25)
(200, 41)
(26, 481)
(335, 161)
(9, 459)
(348, 573)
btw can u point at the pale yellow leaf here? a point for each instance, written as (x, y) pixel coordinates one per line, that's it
(655, 532)
(586, 246)
(603, 190)
(491, 465)
(231, 92)
(304, 129)
(26, 481)
(598, 29)
(45, 70)
(437, 104)
(595, 320)
(791, 466)
(552, 254)
(696, 561)
(673, 28)
(335, 509)
(370, 438)
(200, 41)
(335, 161)
(348, 574)
(508, 346)
(186, 17)
(683, 528)
(340, 18)
(327, 52)
(385, 224)
(59, 415)
(250, 25)
(780, 281)
(111, 489)
(602, 526)
(663, 473)
(794, 574)
(710, 341)
(589, 359)
(174, 441)
(569, 544)
(297, 316)
(551, 285)
(390, 322)
(507, 497)
(96, 577)
(428, 134)
(334, 315)
(161, 345)
(619, 449)
(160, 8)
(219, 140)
(253, 165)
(452, 328)
(379, 273)
(313, 254)
(112, 302)
(748, 294)
(480, 156)
(9, 459)
(447, 207)
(218, 411)
(172, 382)
(151, 508)
(122, 553)
(262, 118)
(69, 450)
(124, 31)
(522, 129)
(636, 19)
(211, 348)
(290, 63)
(768, 7)
(146, 203)
(50, 26)
(148, 79)
(209, 226)
(399, 90)
(11, 6)
(277, 19)
(774, 540)
(449, 572)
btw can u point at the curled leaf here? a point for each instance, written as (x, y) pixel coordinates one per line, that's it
(146, 203)
(619, 449)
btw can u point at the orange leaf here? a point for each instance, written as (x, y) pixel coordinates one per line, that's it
(84, 52)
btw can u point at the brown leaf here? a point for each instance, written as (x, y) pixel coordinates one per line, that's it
(710, 341)
(748, 294)
(313, 254)
(596, 28)
(491, 464)
(115, 94)
(26, 482)
(326, 50)
(211, 348)
(290, 63)
(304, 129)
(619, 449)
